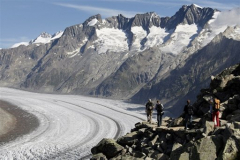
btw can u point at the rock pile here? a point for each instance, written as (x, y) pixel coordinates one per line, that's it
(147, 141)
(171, 141)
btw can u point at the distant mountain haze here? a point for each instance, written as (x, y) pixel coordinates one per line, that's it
(146, 56)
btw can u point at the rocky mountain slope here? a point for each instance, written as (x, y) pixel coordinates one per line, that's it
(171, 141)
(125, 58)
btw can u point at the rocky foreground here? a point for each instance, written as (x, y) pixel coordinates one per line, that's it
(171, 141)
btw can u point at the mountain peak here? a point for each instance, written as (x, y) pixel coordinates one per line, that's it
(190, 14)
(45, 35)
(91, 21)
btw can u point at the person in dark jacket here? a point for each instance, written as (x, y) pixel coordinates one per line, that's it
(159, 107)
(188, 110)
(149, 110)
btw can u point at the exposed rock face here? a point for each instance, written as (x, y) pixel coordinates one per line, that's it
(191, 14)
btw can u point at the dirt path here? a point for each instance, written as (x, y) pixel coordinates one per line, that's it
(15, 122)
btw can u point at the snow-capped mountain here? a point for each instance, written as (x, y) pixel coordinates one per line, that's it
(128, 58)
(43, 38)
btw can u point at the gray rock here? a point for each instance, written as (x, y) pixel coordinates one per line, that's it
(138, 154)
(232, 107)
(155, 154)
(176, 146)
(177, 122)
(209, 147)
(108, 147)
(163, 145)
(209, 127)
(126, 157)
(128, 139)
(153, 141)
(232, 149)
(99, 156)
(146, 150)
(159, 148)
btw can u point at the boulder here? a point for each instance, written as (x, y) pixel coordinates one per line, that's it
(236, 125)
(158, 147)
(149, 134)
(144, 124)
(163, 145)
(234, 118)
(126, 157)
(208, 127)
(155, 154)
(129, 139)
(232, 149)
(176, 146)
(232, 107)
(146, 150)
(108, 147)
(183, 156)
(236, 112)
(162, 156)
(99, 156)
(153, 141)
(202, 149)
(209, 147)
(177, 122)
(138, 154)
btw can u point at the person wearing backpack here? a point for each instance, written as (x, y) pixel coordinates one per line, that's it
(188, 110)
(159, 107)
(215, 117)
(149, 110)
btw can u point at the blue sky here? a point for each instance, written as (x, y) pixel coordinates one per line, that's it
(24, 20)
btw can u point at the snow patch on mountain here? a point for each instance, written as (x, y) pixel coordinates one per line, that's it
(57, 35)
(139, 34)
(19, 44)
(92, 22)
(46, 38)
(197, 6)
(156, 36)
(181, 38)
(73, 53)
(111, 39)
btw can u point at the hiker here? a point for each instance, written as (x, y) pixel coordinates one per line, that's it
(188, 110)
(159, 107)
(215, 116)
(149, 110)
(211, 106)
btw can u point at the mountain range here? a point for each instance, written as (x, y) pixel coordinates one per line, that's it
(146, 56)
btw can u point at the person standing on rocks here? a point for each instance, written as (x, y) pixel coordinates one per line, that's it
(215, 116)
(188, 109)
(149, 110)
(159, 107)
(211, 107)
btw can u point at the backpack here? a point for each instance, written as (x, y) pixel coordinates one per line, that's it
(159, 107)
(149, 106)
(216, 104)
(190, 110)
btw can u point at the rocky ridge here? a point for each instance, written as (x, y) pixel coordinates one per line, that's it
(202, 141)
